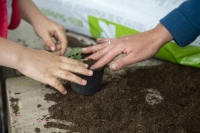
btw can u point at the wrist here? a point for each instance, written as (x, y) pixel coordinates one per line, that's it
(162, 35)
(30, 12)
(38, 20)
(11, 53)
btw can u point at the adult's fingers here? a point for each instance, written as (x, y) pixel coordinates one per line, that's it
(102, 61)
(94, 48)
(101, 49)
(99, 54)
(102, 40)
(105, 56)
(123, 62)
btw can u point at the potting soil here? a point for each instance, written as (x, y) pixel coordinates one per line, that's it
(157, 99)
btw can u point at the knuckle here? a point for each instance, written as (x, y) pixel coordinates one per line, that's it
(100, 52)
(68, 75)
(59, 26)
(78, 80)
(121, 43)
(74, 78)
(82, 71)
(72, 67)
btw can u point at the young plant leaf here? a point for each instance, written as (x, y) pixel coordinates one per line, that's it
(75, 53)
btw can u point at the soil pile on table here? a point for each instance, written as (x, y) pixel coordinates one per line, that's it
(156, 99)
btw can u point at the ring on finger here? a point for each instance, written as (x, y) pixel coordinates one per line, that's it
(108, 42)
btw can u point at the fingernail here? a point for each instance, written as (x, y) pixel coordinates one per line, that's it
(114, 66)
(86, 65)
(84, 82)
(99, 39)
(90, 72)
(92, 67)
(65, 92)
(83, 49)
(52, 48)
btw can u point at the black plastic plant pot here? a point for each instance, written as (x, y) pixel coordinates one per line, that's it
(93, 83)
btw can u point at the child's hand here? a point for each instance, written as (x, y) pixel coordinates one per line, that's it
(46, 67)
(42, 65)
(47, 30)
(44, 27)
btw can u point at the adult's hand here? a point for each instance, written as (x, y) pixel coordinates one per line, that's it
(136, 48)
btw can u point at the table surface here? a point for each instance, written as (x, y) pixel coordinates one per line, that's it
(30, 94)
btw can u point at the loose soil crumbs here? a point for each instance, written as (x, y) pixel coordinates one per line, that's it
(157, 99)
(90, 62)
(39, 105)
(14, 105)
(37, 130)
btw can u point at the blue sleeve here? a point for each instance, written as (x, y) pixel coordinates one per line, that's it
(184, 22)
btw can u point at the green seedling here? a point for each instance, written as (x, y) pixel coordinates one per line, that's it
(75, 53)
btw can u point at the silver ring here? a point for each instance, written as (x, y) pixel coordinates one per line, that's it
(109, 42)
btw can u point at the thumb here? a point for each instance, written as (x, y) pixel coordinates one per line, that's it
(50, 45)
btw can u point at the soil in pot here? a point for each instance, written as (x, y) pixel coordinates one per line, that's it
(159, 99)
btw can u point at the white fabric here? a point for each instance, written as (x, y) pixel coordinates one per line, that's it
(9, 10)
